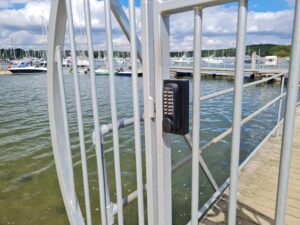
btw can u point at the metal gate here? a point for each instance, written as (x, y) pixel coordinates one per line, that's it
(154, 53)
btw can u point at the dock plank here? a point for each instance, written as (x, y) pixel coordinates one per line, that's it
(258, 187)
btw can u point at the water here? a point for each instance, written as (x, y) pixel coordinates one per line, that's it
(29, 190)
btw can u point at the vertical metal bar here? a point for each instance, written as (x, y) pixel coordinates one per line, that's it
(147, 29)
(79, 115)
(113, 110)
(136, 112)
(196, 114)
(102, 183)
(289, 121)
(237, 113)
(58, 124)
(162, 71)
(68, 154)
(280, 102)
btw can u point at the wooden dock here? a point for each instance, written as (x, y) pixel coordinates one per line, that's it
(181, 71)
(258, 186)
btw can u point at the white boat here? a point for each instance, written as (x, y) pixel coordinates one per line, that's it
(128, 73)
(25, 68)
(67, 62)
(182, 60)
(83, 62)
(101, 71)
(212, 60)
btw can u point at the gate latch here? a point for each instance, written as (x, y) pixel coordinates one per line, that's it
(176, 106)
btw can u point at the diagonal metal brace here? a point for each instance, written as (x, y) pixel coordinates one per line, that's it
(123, 21)
(207, 172)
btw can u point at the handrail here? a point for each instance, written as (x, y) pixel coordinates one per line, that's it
(177, 6)
(227, 132)
(229, 90)
(128, 122)
(106, 128)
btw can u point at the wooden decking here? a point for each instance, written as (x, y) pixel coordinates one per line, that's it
(258, 186)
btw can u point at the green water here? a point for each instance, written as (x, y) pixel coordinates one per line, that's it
(29, 190)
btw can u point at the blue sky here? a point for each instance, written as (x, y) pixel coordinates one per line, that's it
(269, 21)
(254, 5)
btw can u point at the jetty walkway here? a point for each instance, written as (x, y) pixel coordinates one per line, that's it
(258, 187)
(179, 71)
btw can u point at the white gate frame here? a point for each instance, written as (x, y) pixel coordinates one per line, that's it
(156, 68)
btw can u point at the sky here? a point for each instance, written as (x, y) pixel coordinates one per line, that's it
(23, 24)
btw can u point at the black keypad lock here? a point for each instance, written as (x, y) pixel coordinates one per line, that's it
(176, 106)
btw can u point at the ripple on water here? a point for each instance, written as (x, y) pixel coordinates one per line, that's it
(28, 180)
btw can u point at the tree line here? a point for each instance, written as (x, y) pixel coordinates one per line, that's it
(261, 50)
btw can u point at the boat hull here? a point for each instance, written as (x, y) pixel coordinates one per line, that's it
(127, 74)
(101, 72)
(27, 71)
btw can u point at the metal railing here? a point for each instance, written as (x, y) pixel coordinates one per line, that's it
(156, 68)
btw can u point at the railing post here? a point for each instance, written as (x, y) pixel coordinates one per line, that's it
(196, 114)
(280, 103)
(237, 113)
(289, 120)
(149, 115)
(162, 71)
(136, 112)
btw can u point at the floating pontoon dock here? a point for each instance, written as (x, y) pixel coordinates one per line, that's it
(258, 186)
(181, 71)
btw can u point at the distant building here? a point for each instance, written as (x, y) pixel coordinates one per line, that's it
(271, 60)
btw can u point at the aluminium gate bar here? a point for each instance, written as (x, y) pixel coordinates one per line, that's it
(78, 112)
(177, 6)
(156, 28)
(196, 114)
(104, 197)
(162, 69)
(136, 112)
(289, 122)
(57, 110)
(122, 19)
(237, 110)
(116, 147)
(151, 151)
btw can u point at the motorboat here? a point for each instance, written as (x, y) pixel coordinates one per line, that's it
(28, 68)
(127, 73)
(101, 71)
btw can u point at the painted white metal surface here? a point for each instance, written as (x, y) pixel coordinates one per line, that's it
(156, 68)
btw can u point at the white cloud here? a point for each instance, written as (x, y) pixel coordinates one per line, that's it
(24, 26)
(220, 25)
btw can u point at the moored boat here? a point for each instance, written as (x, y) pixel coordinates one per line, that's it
(101, 71)
(127, 73)
(25, 68)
